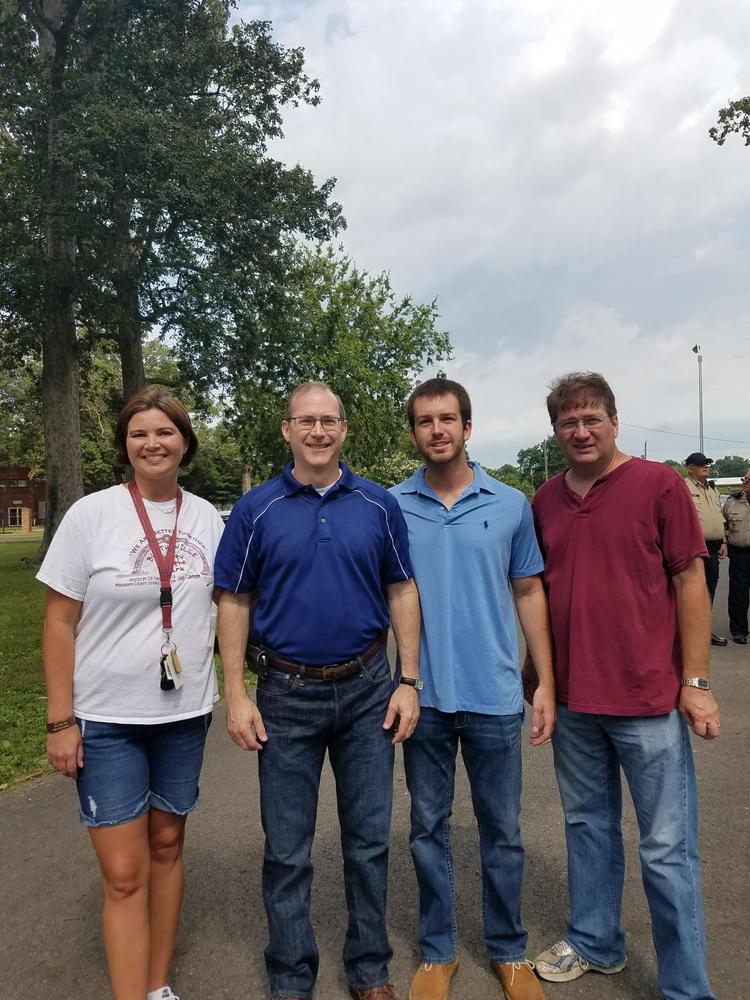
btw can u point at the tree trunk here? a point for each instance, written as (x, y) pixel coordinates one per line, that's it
(62, 419)
(129, 322)
(129, 337)
(247, 479)
(60, 386)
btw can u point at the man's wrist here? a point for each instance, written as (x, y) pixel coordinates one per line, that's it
(701, 683)
(415, 683)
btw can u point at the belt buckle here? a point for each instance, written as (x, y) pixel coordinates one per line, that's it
(329, 666)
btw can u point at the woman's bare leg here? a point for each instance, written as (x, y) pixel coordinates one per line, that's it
(125, 862)
(167, 877)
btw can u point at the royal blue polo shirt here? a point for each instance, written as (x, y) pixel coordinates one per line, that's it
(318, 564)
(463, 559)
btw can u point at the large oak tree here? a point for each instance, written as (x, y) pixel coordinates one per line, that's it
(137, 188)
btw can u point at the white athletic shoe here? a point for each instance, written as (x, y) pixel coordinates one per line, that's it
(560, 964)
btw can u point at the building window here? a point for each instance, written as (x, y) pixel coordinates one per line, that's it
(14, 517)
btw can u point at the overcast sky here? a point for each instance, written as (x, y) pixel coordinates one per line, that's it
(544, 170)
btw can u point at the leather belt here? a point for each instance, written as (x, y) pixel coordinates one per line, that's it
(329, 672)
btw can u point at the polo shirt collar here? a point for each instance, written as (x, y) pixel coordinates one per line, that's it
(291, 485)
(482, 483)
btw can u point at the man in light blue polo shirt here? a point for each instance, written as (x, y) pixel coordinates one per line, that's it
(474, 553)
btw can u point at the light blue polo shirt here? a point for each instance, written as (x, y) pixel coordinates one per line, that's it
(463, 559)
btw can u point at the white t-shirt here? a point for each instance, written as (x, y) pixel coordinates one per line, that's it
(100, 556)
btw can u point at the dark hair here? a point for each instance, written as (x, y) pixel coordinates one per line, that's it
(580, 389)
(440, 387)
(313, 384)
(152, 397)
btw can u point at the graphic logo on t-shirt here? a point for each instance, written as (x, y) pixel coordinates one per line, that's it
(190, 561)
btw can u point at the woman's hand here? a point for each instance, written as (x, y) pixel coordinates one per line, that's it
(65, 750)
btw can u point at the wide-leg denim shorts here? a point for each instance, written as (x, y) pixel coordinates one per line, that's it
(129, 769)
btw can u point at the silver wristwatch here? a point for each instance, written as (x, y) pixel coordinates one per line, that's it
(697, 682)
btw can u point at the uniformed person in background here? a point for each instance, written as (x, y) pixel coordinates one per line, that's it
(737, 519)
(707, 503)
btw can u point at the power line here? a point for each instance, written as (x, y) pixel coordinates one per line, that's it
(656, 430)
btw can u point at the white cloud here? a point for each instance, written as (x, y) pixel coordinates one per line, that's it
(544, 169)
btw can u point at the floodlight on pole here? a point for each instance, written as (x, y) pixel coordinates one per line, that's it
(697, 350)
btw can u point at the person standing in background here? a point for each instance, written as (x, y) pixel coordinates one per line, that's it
(737, 519)
(708, 505)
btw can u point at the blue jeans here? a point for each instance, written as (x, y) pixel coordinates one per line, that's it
(654, 752)
(491, 749)
(303, 719)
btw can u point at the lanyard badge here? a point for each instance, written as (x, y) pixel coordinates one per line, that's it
(170, 669)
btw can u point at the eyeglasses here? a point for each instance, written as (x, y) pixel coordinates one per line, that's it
(588, 423)
(308, 423)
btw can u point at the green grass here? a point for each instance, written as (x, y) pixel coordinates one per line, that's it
(23, 704)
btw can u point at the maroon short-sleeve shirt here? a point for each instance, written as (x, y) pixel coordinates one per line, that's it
(609, 558)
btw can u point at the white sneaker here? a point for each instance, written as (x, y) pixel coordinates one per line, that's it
(560, 964)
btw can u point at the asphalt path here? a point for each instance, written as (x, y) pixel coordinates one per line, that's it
(50, 944)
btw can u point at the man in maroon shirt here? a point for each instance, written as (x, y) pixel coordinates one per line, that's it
(631, 619)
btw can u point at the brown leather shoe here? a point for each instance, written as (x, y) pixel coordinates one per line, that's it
(433, 980)
(518, 980)
(386, 992)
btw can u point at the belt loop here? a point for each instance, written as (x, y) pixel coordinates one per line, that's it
(302, 671)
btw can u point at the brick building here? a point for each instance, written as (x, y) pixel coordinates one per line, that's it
(18, 488)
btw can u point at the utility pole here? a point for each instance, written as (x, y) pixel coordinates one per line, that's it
(697, 350)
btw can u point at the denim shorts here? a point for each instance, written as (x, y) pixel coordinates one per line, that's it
(129, 769)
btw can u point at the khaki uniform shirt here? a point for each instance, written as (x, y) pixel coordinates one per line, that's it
(737, 517)
(708, 505)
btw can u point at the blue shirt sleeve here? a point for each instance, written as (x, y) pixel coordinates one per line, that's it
(396, 564)
(235, 568)
(525, 557)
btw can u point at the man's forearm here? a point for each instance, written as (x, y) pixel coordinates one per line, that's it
(403, 603)
(533, 614)
(233, 629)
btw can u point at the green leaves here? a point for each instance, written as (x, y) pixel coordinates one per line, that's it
(735, 118)
(329, 320)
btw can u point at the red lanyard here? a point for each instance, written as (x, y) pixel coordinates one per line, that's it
(164, 563)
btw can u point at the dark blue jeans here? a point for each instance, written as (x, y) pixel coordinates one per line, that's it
(304, 718)
(491, 749)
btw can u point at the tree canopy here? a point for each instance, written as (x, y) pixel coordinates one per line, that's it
(531, 465)
(344, 326)
(137, 188)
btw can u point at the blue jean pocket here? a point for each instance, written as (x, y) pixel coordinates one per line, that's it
(277, 684)
(377, 670)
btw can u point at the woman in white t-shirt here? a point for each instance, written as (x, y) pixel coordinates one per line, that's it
(128, 661)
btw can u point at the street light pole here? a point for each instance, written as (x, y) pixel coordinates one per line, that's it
(697, 350)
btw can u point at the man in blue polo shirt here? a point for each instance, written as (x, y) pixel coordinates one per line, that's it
(474, 552)
(321, 558)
